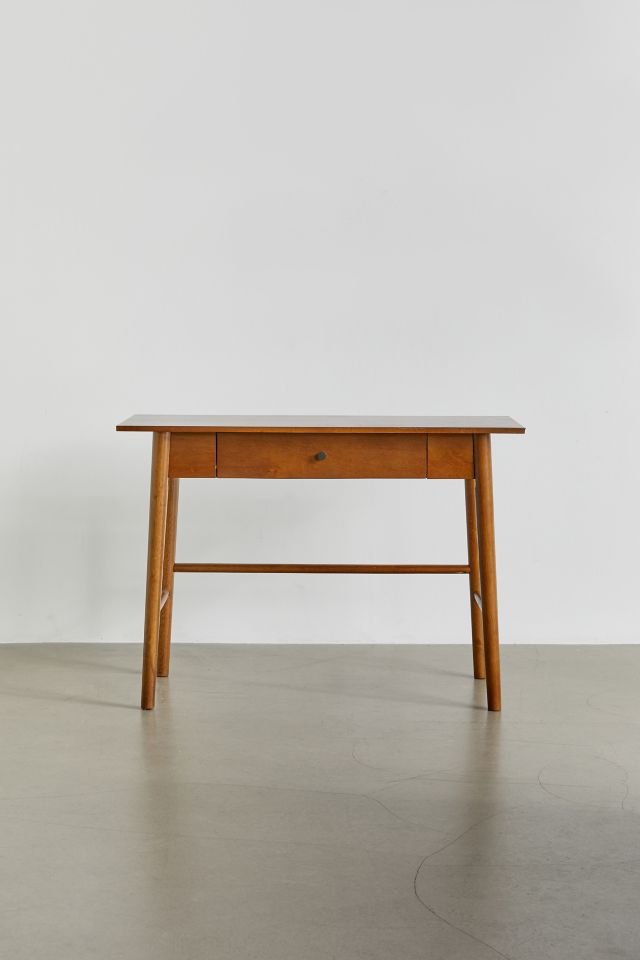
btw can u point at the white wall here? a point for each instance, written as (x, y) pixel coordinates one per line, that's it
(286, 207)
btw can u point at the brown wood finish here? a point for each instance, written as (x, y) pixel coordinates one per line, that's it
(192, 455)
(310, 456)
(157, 520)
(321, 568)
(477, 638)
(450, 457)
(488, 581)
(169, 558)
(176, 423)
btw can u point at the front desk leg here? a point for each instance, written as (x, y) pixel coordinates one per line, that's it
(489, 588)
(157, 524)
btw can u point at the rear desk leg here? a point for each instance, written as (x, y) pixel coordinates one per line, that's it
(164, 644)
(489, 589)
(157, 523)
(474, 580)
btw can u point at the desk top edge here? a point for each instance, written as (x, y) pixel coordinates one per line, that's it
(176, 423)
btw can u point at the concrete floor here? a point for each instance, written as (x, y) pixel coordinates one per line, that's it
(319, 803)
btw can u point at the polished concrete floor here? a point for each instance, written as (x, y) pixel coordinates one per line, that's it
(319, 803)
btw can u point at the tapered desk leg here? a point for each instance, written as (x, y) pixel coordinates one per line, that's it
(489, 589)
(164, 643)
(157, 522)
(475, 591)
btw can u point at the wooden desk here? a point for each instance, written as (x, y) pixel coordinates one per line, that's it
(437, 448)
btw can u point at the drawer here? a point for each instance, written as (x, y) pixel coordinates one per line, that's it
(321, 456)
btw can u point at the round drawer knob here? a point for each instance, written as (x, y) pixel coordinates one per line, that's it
(321, 455)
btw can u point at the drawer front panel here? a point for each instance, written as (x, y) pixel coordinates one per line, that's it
(321, 456)
(450, 456)
(192, 455)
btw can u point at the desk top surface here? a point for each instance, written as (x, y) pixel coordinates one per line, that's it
(178, 423)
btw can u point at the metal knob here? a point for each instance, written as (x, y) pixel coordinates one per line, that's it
(321, 455)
